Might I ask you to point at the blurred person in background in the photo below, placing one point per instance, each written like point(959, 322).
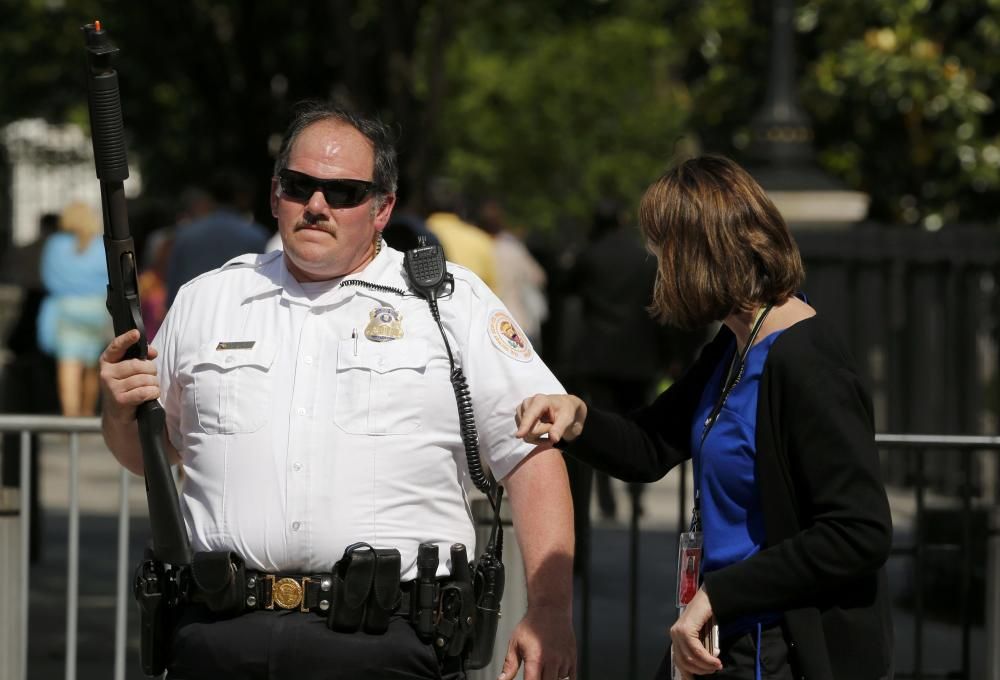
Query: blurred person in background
point(153, 287)
point(406, 227)
point(213, 239)
point(29, 377)
point(774, 415)
point(22, 267)
point(463, 243)
point(520, 279)
point(195, 203)
point(74, 323)
point(618, 352)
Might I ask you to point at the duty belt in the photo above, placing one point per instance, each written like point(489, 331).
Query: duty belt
point(265, 591)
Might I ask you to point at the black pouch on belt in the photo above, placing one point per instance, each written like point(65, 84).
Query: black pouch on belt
point(385, 595)
point(219, 581)
point(352, 582)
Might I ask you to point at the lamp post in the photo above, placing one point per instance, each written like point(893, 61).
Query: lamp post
point(782, 157)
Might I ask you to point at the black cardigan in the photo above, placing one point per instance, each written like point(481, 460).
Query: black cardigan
point(826, 515)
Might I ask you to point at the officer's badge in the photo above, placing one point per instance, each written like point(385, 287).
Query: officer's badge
point(385, 324)
point(508, 337)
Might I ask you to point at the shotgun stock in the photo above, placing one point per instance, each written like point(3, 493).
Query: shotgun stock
point(170, 539)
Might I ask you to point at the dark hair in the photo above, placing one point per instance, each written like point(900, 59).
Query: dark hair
point(385, 173)
point(721, 244)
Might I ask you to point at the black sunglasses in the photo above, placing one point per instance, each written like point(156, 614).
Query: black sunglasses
point(339, 193)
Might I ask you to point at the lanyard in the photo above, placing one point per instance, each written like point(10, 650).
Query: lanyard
point(733, 375)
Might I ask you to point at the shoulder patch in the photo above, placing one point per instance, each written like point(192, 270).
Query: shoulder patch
point(507, 336)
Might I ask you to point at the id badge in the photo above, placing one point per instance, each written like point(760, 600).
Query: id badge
point(689, 550)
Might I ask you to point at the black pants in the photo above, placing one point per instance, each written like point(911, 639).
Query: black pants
point(276, 645)
point(739, 658)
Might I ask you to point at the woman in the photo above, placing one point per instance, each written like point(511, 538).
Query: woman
point(795, 519)
point(73, 322)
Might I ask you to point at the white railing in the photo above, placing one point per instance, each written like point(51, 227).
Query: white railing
point(15, 535)
point(15, 555)
point(14, 632)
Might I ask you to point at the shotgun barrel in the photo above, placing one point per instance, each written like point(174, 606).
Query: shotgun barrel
point(170, 540)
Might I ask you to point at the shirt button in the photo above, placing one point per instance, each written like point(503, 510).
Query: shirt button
point(295, 526)
point(301, 411)
point(380, 362)
point(308, 360)
point(296, 466)
point(230, 360)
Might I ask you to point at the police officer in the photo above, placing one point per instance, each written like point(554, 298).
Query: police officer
point(308, 398)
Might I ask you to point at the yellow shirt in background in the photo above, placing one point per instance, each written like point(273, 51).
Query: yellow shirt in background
point(465, 244)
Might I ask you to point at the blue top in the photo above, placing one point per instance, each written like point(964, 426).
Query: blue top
point(69, 273)
point(65, 270)
point(725, 474)
point(209, 242)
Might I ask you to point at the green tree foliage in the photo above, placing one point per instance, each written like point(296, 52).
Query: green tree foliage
point(553, 112)
point(901, 94)
point(209, 83)
point(910, 83)
point(548, 104)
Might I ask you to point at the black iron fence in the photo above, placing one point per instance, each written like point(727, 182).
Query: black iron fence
point(944, 571)
point(921, 311)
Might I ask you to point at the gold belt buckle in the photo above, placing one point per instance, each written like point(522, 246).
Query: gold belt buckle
point(287, 593)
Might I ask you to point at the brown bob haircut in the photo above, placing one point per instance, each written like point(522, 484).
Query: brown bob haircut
point(720, 243)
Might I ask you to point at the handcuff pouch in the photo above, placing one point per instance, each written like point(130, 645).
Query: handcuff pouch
point(219, 581)
point(351, 584)
point(385, 596)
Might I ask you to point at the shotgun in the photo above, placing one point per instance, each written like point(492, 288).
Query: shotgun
point(170, 539)
point(157, 586)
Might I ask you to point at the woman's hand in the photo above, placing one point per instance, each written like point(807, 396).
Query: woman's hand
point(560, 416)
point(689, 652)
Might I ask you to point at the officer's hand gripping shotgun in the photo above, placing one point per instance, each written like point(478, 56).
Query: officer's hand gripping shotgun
point(155, 587)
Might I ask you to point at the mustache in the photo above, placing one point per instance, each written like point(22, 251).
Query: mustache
point(309, 222)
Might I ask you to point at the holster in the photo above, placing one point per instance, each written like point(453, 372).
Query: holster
point(489, 580)
point(150, 590)
point(365, 589)
point(219, 581)
point(158, 589)
point(457, 609)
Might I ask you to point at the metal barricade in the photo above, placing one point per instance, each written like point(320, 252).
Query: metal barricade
point(919, 550)
point(924, 454)
point(15, 586)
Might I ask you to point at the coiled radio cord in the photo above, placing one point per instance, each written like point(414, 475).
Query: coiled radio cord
point(483, 479)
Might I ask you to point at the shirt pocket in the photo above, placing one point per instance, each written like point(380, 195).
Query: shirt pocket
point(233, 388)
point(380, 386)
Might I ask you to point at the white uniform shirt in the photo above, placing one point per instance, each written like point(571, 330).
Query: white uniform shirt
point(301, 434)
